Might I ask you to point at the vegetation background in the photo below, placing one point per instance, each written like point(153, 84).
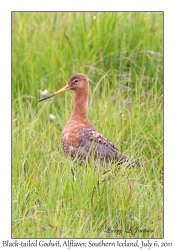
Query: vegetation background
point(122, 53)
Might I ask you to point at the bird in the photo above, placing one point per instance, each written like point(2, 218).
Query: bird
point(79, 138)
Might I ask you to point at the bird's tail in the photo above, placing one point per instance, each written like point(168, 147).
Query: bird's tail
point(123, 159)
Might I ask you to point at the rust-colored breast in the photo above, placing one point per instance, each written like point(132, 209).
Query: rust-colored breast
point(71, 139)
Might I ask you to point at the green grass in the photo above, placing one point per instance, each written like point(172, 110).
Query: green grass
point(126, 105)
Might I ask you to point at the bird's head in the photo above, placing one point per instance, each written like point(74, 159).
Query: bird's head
point(77, 82)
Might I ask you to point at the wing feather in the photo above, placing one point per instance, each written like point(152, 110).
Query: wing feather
point(103, 148)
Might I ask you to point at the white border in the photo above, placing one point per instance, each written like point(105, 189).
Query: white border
point(5, 101)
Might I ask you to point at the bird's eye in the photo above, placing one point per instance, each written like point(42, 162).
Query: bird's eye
point(76, 80)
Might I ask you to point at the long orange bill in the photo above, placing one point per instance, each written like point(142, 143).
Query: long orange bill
point(55, 93)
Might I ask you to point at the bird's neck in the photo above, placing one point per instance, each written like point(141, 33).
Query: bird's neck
point(79, 112)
